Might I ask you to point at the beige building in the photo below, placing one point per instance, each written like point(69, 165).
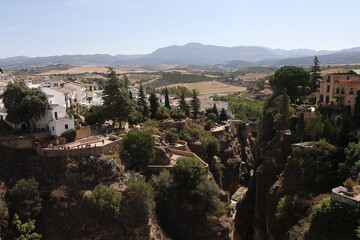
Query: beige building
point(342, 87)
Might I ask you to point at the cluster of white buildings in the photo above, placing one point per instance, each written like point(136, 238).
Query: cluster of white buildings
point(61, 96)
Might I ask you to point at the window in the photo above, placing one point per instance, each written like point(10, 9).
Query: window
point(347, 78)
point(343, 91)
point(337, 90)
point(327, 99)
point(53, 129)
point(328, 80)
point(351, 92)
point(328, 88)
point(321, 98)
point(66, 126)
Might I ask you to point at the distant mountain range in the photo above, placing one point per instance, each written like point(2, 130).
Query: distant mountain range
point(196, 54)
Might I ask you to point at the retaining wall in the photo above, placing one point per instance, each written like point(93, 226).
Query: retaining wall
point(344, 199)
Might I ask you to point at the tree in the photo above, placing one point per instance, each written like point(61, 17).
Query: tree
point(215, 110)
point(223, 116)
point(183, 104)
point(142, 103)
point(125, 80)
point(300, 131)
point(170, 137)
point(95, 115)
point(70, 135)
point(117, 103)
point(294, 79)
point(188, 172)
point(26, 229)
point(162, 113)
point(209, 124)
point(212, 146)
point(281, 115)
point(167, 100)
point(25, 198)
point(315, 74)
point(24, 104)
point(314, 127)
point(351, 166)
point(357, 107)
point(154, 105)
point(140, 201)
point(212, 117)
point(195, 104)
point(140, 146)
point(104, 202)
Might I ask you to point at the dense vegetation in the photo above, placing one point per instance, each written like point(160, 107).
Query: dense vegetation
point(177, 78)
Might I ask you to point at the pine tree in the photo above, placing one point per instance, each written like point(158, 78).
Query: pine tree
point(183, 104)
point(154, 105)
point(282, 112)
point(142, 103)
point(301, 127)
point(223, 116)
point(130, 95)
point(116, 99)
point(125, 80)
point(315, 74)
point(167, 100)
point(195, 104)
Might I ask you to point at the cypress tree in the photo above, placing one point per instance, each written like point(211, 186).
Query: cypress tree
point(142, 103)
point(301, 127)
point(315, 74)
point(215, 110)
point(154, 105)
point(183, 104)
point(195, 104)
point(167, 100)
point(223, 116)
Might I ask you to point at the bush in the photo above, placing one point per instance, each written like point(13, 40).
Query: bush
point(334, 220)
point(70, 135)
point(140, 200)
point(170, 137)
point(212, 116)
point(188, 172)
point(140, 146)
point(209, 125)
point(212, 146)
point(104, 202)
point(25, 198)
point(162, 113)
point(349, 184)
point(26, 229)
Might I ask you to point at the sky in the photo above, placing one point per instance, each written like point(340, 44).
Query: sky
point(59, 27)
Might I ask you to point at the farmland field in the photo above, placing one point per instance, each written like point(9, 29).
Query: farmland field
point(212, 87)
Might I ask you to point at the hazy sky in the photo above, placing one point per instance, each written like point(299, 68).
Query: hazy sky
point(58, 27)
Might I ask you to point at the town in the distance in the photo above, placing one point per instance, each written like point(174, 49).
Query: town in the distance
point(180, 152)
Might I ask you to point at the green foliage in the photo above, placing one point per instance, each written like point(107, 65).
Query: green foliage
point(351, 167)
point(243, 108)
point(183, 105)
point(315, 166)
point(293, 121)
point(281, 113)
point(170, 136)
point(162, 113)
point(154, 105)
point(293, 79)
point(25, 198)
point(169, 78)
point(95, 115)
point(26, 230)
point(195, 104)
point(117, 104)
point(167, 100)
point(212, 117)
point(314, 126)
point(212, 146)
point(315, 74)
point(289, 208)
point(193, 132)
point(223, 116)
point(140, 201)
point(300, 131)
point(70, 135)
point(177, 113)
point(104, 202)
point(142, 103)
point(209, 124)
point(140, 146)
point(357, 108)
point(24, 104)
point(187, 172)
point(177, 90)
point(334, 220)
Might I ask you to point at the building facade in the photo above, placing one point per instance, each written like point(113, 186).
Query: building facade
point(339, 89)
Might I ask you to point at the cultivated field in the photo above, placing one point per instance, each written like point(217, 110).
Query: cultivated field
point(250, 77)
point(212, 87)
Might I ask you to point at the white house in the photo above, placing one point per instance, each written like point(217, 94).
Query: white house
point(55, 97)
point(80, 91)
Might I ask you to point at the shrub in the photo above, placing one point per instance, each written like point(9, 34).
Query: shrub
point(140, 200)
point(26, 229)
point(104, 202)
point(349, 184)
point(334, 220)
point(209, 124)
point(70, 135)
point(162, 113)
point(26, 199)
point(212, 116)
point(170, 137)
point(140, 146)
point(212, 146)
point(187, 172)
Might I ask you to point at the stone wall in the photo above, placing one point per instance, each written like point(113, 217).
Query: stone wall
point(344, 199)
point(115, 146)
point(190, 154)
point(83, 132)
point(17, 143)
